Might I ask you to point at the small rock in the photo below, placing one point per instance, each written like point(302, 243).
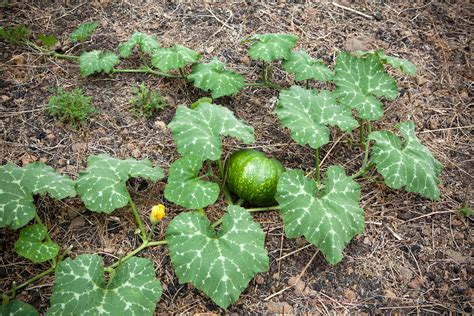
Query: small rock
point(245, 60)
point(18, 59)
point(27, 159)
point(43, 159)
point(349, 294)
point(457, 222)
point(366, 241)
point(136, 153)
point(160, 125)
point(300, 242)
point(405, 274)
point(279, 308)
point(76, 223)
point(456, 256)
point(464, 94)
point(298, 284)
point(259, 279)
point(309, 292)
point(415, 284)
point(209, 49)
point(390, 294)
point(79, 147)
point(358, 43)
point(443, 290)
point(5, 98)
point(421, 80)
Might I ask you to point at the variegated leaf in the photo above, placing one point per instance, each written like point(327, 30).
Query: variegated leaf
point(307, 113)
point(305, 67)
point(212, 76)
point(328, 218)
point(184, 186)
point(32, 246)
point(219, 264)
point(146, 44)
point(97, 61)
point(406, 163)
point(167, 59)
point(80, 289)
point(102, 186)
point(18, 185)
point(359, 83)
point(270, 47)
point(198, 131)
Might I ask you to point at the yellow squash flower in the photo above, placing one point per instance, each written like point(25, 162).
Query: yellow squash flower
point(157, 213)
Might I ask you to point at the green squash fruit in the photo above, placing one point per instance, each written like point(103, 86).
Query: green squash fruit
point(253, 177)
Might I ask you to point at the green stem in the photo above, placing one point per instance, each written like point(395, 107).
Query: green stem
point(264, 74)
point(227, 196)
point(361, 132)
point(138, 219)
point(33, 279)
point(181, 72)
point(316, 174)
point(145, 70)
point(58, 55)
point(221, 169)
point(38, 221)
point(240, 202)
point(365, 163)
point(258, 209)
point(145, 244)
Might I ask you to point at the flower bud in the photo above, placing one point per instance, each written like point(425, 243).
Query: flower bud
point(157, 213)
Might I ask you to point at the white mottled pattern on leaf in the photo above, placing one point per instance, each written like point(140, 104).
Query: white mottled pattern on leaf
point(79, 288)
point(167, 59)
point(408, 164)
point(18, 185)
point(32, 246)
point(329, 218)
point(102, 186)
point(401, 64)
point(212, 76)
point(17, 308)
point(97, 61)
point(304, 67)
point(198, 132)
point(360, 81)
point(270, 47)
point(146, 43)
point(184, 186)
point(221, 265)
point(306, 113)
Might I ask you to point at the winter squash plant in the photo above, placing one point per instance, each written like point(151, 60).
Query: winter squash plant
point(324, 210)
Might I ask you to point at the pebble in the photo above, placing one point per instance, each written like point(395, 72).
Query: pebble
point(298, 284)
point(279, 308)
point(390, 294)
point(415, 284)
point(259, 279)
point(349, 294)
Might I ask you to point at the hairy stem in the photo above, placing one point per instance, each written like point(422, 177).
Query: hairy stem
point(264, 74)
point(138, 219)
point(145, 70)
point(221, 169)
point(145, 244)
point(361, 132)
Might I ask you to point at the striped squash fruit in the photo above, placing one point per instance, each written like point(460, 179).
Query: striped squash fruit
point(253, 177)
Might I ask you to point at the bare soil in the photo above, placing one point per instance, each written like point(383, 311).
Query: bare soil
point(415, 256)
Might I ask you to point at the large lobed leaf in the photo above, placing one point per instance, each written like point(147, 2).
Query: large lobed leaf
point(97, 61)
point(146, 44)
point(306, 113)
point(407, 163)
point(405, 66)
point(270, 47)
point(360, 81)
point(32, 246)
point(17, 308)
point(79, 288)
point(329, 218)
point(219, 264)
point(212, 76)
point(18, 185)
point(102, 186)
point(305, 67)
point(167, 59)
point(198, 131)
point(184, 186)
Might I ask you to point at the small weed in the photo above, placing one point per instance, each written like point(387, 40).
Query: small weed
point(70, 107)
point(147, 101)
point(14, 34)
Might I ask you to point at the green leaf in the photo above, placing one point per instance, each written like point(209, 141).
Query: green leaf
point(270, 47)
point(83, 31)
point(146, 44)
point(304, 67)
point(401, 64)
point(48, 40)
point(97, 61)
point(407, 163)
point(103, 185)
point(199, 101)
point(31, 246)
point(212, 76)
point(18, 185)
point(219, 264)
point(167, 59)
point(15, 34)
point(359, 81)
point(184, 186)
point(17, 308)
point(80, 289)
point(198, 132)
point(306, 113)
point(328, 218)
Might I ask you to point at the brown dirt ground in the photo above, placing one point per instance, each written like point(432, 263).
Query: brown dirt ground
point(414, 256)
